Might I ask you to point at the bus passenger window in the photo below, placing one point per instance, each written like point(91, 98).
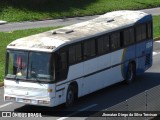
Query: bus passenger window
point(143, 31)
point(128, 36)
point(131, 37)
point(100, 45)
point(115, 41)
point(138, 33)
point(103, 44)
point(63, 60)
point(72, 54)
point(75, 54)
point(61, 66)
point(78, 52)
point(149, 29)
point(89, 49)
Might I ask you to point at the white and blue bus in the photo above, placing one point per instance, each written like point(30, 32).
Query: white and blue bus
point(57, 66)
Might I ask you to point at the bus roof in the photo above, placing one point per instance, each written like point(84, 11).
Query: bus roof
point(52, 40)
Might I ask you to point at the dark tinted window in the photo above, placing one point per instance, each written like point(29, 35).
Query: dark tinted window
point(138, 33)
point(115, 41)
point(72, 54)
point(132, 38)
point(63, 61)
point(78, 52)
point(141, 33)
point(149, 30)
point(61, 65)
point(75, 53)
point(128, 36)
point(89, 49)
point(103, 44)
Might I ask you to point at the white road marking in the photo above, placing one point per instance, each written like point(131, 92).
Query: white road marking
point(155, 53)
point(5, 104)
point(157, 41)
point(62, 118)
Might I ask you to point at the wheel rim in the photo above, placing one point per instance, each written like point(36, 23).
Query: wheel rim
point(70, 97)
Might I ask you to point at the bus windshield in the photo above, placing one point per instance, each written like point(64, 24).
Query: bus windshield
point(29, 65)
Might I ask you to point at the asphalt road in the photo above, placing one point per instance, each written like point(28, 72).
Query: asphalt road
point(58, 22)
point(96, 101)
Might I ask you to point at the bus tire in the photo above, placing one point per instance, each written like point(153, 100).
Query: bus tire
point(130, 76)
point(70, 98)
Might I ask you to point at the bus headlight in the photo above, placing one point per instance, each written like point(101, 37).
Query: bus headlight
point(10, 98)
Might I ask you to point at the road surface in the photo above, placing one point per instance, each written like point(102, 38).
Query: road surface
point(58, 22)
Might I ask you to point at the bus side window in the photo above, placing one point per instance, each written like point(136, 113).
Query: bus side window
point(128, 36)
point(75, 54)
point(144, 35)
point(89, 49)
point(131, 37)
point(72, 54)
point(103, 44)
point(115, 41)
point(78, 52)
point(138, 33)
point(62, 66)
point(63, 60)
point(141, 33)
point(149, 30)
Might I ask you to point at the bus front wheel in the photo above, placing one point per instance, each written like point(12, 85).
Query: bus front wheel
point(130, 73)
point(70, 96)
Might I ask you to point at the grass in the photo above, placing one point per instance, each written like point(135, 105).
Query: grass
point(156, 26)
point(6, 38)
point(51, 9)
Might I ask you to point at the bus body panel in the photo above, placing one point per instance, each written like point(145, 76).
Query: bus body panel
point(95, 78)
point(99, 80)
point(75, 71)
point(116, 57)
point(22, 91)
point(61, 91)
point(105, 61)
point(129, 54)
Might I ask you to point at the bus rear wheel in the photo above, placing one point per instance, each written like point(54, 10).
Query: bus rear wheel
point(130, 76)
point(70, 98)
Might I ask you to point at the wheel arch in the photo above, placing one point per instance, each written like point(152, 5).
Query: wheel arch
point(134, 64)
point(75, 86)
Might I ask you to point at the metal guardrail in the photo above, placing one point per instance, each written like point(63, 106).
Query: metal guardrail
point(148, 101)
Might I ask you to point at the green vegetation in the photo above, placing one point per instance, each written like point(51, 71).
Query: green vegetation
point(156, 26)
point(8, 37)
point(22, 10)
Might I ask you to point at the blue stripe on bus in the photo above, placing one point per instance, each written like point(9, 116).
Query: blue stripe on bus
point(144, 19)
